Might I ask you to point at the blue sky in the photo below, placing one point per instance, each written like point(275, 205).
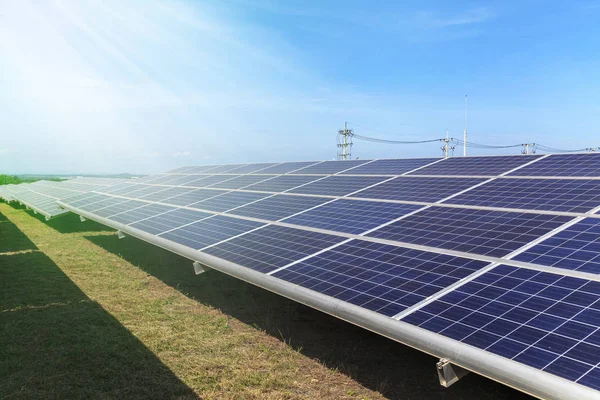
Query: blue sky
point(145, 86)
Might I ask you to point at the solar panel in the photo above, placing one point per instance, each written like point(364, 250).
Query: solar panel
point(418, 189)
point(272, 247)
point(210, 231)
point(486, 232)
point(576, 248)
point(277, 207)
point(587, 164)
point(282, 183)
point(347, 238)
point(170, 220)
point(351, 216)
point(476, 166)
point(242, 181)
point(547, 321)
point(210, 180)
point(137, 214)
point(338, 185)
point(570, 195)
point(285, 168)
point(329, 167)
point(382, 278)
point(228, 201)
point(390, 167)
point(250, 168)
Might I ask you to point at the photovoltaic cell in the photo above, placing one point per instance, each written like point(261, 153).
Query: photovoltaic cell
point(339, 185)
point(282, 183)
point(418, 189)
point(180, 170)
point(210, 180)
point(330, 167)
point(166, 193)
point(242, 181)
point(193, 197)
point(140, 213)
point(381, 278)
point(272, 247)
point(185, 179)
point(575, 248)
point(390, 167)
point(220, 169)
point(574, 195)
point(210, 231)
point(285, 168)
point(118, 207)
point(547, 321)
point(247, 169)
point(351, 216)
point(203, 169)
point(170, 220)
point(228, 201)
point(587, 164)
point(490, 233)
point(278, 207)
point(476, 166)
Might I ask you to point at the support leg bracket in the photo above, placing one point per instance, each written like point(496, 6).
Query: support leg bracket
point(82, 218)
point(200, 268)
point(120, 235)
point(449, 373)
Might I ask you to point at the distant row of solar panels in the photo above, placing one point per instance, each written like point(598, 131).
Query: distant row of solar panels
point(491, 262)
point(41, 196)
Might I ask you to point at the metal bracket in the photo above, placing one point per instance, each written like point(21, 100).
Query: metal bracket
point(47, 218)
point(449, 373)
point(200, 268)
point(82, 218)
point(120, 235)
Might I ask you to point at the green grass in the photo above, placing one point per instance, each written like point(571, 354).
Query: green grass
point(86, 315)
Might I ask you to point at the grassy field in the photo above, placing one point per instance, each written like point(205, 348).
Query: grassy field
point(86, 315)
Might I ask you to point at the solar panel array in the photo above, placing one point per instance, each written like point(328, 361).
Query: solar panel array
point(41, 196)
point(500, 254)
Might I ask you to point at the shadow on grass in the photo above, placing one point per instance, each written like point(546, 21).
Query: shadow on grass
point(393, 369)
point(57, 343)
point(12, 239)
point(70, 223)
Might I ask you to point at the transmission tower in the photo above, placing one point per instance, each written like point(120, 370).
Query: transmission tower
point(345, 143)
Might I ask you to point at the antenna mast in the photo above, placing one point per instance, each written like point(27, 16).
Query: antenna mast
point(465, 133)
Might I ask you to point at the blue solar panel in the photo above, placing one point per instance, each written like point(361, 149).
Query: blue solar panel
point(491, 233)
point(203, 169)
point(279, 206)
point(106, 202)
point(330, 167)
point(390, 167)
point(418, 189)
point(194, 197)
point(184, 179)
point(220, 169)
point(140, 213)
point(285, 168)
point(574, 195)
point(564, 165)
point(118, 208)
point(160, 179)
point(210, 231)
point(382, 278)
point(163, 194)
point(180, 170)
point(339, 185)
point(351, 216)
point(242, 181)
point(210, 180)
point(272, 247)
point(228, 201)
point(475, 166)
point(543, 320)
point(170, 220)
point(251, 168)
point(282, 183)
point(575, 248)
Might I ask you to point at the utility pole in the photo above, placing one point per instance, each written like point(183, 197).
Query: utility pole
point(346, 143)
point(465, 134)
point(445, 147)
